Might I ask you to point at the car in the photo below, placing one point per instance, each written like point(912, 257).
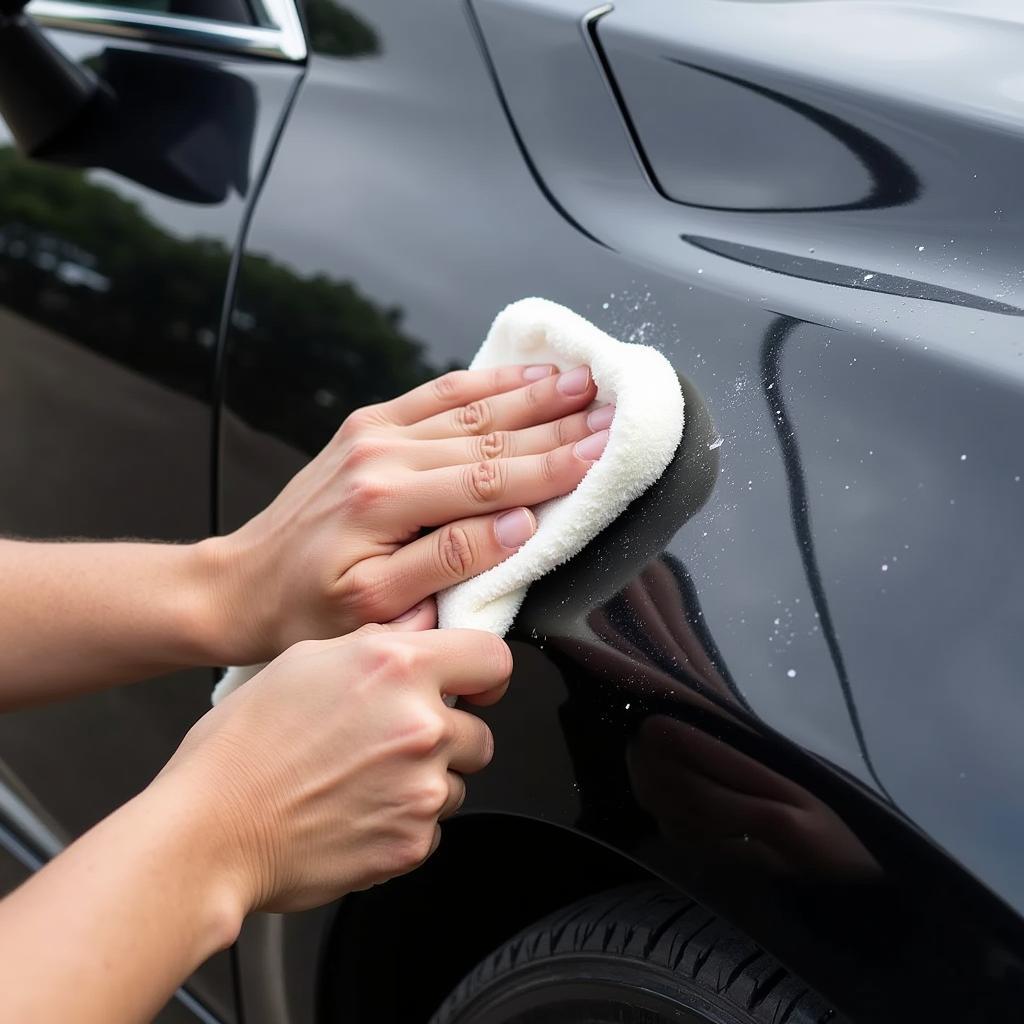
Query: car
point(761, 758)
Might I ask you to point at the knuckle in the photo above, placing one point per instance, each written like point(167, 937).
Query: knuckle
point(563, 432)
point(485, 481)
point(356, 422)
point(494, 445)
point(429, 797)
point(549, 468)
point(535, 394)
point(448, 386)
point(365, 493)
point(474, 418)
point(360, 451)
point(364, 590)
point(456, 554)
point(412, 850)
point(424, 733)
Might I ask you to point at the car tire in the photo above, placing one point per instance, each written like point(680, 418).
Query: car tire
point(641, 954)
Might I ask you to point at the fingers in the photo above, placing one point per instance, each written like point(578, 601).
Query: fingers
point(506, 444)
point(456, 795)
point(472, 745)
point(444, 495)
point(548, 399)
point(473, 663)
point(460, 387)
point(449, 555)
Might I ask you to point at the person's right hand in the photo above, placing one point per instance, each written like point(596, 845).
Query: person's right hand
point(330, 769)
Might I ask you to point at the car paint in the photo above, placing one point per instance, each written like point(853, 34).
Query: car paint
point(817, 733)
point(850, 579)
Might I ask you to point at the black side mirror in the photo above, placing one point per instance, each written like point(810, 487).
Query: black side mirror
point(41, 90)
point(176, 124)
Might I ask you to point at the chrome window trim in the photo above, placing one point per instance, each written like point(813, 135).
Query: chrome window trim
point(281, 38)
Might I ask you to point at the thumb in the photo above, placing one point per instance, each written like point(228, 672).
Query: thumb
point(419, 617)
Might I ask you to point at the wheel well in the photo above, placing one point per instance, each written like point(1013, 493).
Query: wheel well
point(395, 951)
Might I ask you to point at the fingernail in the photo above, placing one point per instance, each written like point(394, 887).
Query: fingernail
point(513, 529)
point(590, 448)
point(601, 417)
point(574, 382)
point(537, 372)
point(411, 613)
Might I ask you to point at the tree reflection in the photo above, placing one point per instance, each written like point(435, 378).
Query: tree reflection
point(89, 264)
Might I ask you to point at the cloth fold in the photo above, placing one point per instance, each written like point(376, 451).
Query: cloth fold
point(643, 437)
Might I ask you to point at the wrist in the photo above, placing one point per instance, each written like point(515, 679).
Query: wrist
point(222, 621)
point(205, 854)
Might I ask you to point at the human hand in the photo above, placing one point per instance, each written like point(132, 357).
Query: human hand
point(341, 545)
point(329, 771)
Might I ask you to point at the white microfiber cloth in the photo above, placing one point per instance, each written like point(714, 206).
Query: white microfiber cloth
point(643, 437)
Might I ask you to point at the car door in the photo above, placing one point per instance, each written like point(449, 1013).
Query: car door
point(845, 571)
point(115, 260)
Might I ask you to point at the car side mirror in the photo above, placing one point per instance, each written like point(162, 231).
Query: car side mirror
point(175, 124)
point(41, 89)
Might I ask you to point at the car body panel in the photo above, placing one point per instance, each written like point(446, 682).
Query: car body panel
point(848, 624)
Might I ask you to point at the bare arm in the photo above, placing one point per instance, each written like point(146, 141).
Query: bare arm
point(463, 456)
point(326, 773)
point(81, 616)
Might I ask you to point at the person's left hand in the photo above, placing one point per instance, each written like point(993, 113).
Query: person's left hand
point(341, 546)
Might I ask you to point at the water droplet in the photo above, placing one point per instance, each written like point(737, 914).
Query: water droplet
point(700, 270)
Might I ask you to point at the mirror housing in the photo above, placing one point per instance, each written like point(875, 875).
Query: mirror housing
point(41, 90)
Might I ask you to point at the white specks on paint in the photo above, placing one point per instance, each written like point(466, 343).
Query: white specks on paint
point(791, 673)
point(715, 444)
point(604, 305)
point(963, 458)
point(627, 707)
point(867, 277)
point(700, 270)
point(885, 567)
point(920, 248)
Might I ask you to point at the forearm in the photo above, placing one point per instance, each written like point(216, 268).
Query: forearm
point(108, 930)
point(81, 616)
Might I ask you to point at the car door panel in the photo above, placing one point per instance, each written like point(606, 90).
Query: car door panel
point(476, 155)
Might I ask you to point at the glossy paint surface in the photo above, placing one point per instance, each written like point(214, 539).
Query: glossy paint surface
point(789, 680)
point(112, 284)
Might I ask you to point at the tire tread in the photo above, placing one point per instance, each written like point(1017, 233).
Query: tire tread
point(650, 923)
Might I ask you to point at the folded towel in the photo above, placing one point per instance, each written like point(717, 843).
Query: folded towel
point(643, 437)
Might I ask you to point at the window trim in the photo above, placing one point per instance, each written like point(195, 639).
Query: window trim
point(281, 38)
